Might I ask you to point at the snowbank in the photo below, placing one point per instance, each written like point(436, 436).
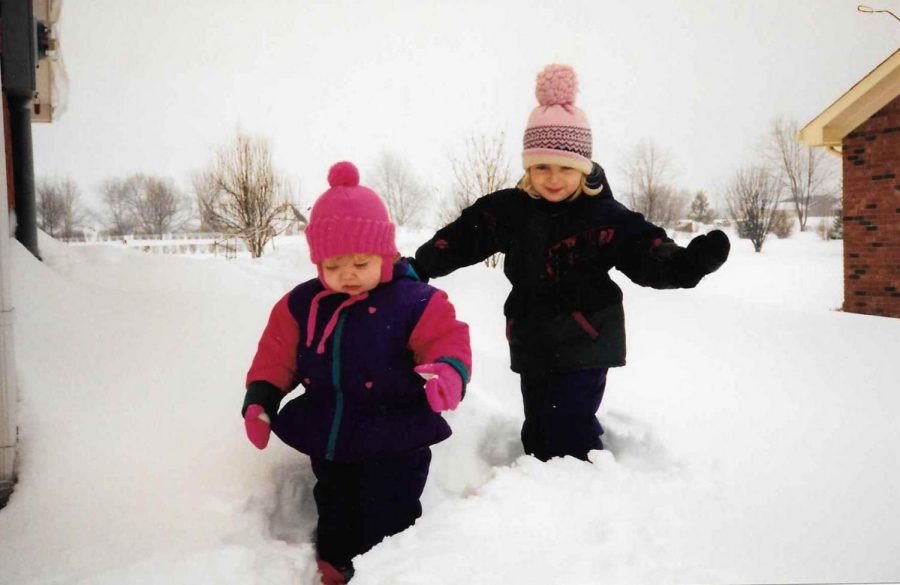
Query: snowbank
point(752, 437)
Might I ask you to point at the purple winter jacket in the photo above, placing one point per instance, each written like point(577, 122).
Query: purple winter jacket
point(354, 357)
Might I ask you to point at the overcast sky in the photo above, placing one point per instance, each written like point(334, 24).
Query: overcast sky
point(157, 85)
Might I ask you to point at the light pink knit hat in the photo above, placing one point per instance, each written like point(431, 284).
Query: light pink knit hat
point(557, 133)
point(350, 219)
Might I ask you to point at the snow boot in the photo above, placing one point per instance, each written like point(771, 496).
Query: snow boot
point(332, 575)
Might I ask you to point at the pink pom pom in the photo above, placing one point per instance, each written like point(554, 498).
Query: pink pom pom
point(343, 174)
point(556, 85)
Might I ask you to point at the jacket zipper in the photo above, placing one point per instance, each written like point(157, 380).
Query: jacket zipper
point(339, 393)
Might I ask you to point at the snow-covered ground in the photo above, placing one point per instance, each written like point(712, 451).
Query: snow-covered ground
point(753, 437)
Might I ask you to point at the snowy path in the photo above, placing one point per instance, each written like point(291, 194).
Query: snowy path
point(752, 437)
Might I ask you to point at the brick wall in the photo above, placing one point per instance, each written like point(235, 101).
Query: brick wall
point(871, 160)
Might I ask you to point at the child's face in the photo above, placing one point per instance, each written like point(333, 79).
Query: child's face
point(353, 274)
point(554, 183)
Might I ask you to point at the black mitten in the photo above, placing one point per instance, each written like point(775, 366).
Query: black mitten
point(596, 177)
point(709, 251)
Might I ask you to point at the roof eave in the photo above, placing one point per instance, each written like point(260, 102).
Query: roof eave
point(857, 105)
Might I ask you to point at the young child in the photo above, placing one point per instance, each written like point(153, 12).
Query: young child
point(359, 339)
point(562, 231)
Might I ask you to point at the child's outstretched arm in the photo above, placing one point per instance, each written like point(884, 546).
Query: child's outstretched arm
point(652, 259)
point(474, 236)
point(271, 373)
point(440, 346)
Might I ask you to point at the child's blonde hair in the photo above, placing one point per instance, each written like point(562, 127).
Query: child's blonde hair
point(525, 185)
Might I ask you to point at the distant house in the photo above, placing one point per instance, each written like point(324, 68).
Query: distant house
point(863, 128)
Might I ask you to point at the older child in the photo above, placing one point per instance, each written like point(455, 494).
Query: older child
point(359, 339)
point(562, 232)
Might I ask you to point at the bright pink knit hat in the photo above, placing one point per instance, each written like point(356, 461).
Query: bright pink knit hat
point(557, 133)
point(350, 219)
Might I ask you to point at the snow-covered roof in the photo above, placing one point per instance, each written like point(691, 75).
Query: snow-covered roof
point(858, 104)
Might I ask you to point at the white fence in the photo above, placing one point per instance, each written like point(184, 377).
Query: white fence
point(181, 243)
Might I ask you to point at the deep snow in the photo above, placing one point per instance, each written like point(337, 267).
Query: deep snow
point(753, 436)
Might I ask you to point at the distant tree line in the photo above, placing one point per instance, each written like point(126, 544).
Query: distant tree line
point(241, 195)
point(788, 181)
point(135, 203)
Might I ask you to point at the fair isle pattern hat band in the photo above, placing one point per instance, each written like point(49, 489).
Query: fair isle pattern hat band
point(565, 138)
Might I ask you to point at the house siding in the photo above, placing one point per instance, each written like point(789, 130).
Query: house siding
point(871, 208)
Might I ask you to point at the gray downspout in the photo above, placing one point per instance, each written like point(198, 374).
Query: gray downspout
point(18, 35)
point(23, 172)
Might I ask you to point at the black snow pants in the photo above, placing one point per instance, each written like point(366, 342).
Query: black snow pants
point(361, 503)
point(561, 412)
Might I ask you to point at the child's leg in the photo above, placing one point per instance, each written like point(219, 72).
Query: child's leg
point(391, 490)
point(361, 503)
point(560, 413)
point(339, 529)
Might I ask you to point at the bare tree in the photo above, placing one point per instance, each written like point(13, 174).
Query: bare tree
point(73, 213)
point(144, 203)
point(401, 191)
point(651, 191)
point(49, 206)
point(483, 169)
point(119, 196)
point(804, 171)
point(58, 207)
point(157, 206)
point(242, 195)
point(753, 197)
point(205, 189)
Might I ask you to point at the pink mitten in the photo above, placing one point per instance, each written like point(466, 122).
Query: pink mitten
point(443, 385)
point(256, 421)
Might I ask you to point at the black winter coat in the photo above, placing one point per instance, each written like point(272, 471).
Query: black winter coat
point(564, 313)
